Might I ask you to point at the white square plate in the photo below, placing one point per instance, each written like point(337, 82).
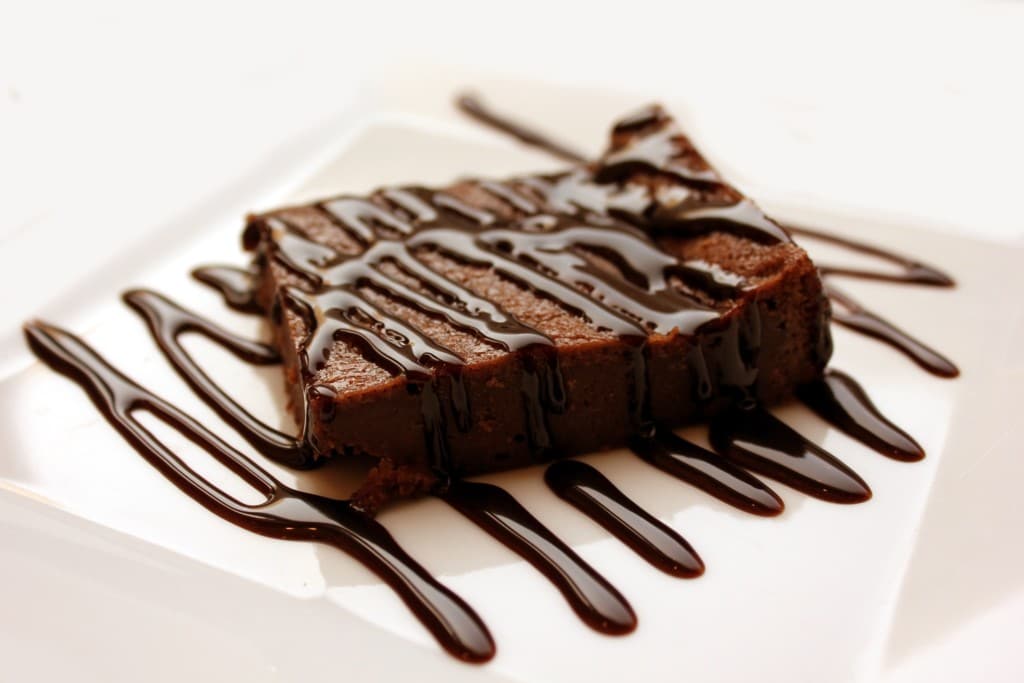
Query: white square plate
point(110, 573)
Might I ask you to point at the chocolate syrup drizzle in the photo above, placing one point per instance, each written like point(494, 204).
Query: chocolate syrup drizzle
point(758, 441)
point(843, 403)
point(564, 220)
point(589, 594)
point(709, 472)
point(853, 315)
point(591, 493)
point(856, 318)
point(167, 321)
point(660, 447)
point(234, 284)
point(911, 270)
point(570, 238)
point(285, 513)
point(472, 106)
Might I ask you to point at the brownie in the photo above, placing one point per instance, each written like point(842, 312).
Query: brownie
point(489, 325)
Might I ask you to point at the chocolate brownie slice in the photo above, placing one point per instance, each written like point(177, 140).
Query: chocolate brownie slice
point(489, 325)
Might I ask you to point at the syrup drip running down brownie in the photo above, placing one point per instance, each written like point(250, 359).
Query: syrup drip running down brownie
point(490, 325)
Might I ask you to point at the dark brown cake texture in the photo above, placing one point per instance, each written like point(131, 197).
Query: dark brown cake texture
point(490, 325)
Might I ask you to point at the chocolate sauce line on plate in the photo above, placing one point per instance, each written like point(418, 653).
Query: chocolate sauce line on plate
point(494, 510)
point(756, 440)
point(842, 402)
point(291, 514)
point(708, 472)
point(473, 107)
point(912, 271)
point(591, 493)
point(234, 284)
point(167, 321)
point(590, 595)
point(285, 513)
point(858, 318)
point(597, 602)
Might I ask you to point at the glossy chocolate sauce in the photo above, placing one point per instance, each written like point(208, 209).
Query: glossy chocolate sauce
point(709, 472)
point(234, 284)
point(285, 513)
point(472, 106)
point(911, 271)
point(575, 238)
point(853, 315)
point(565, 237)
point(591, 493)
point(842, 402)
point(590, 595)
point(167, 321)
point(562, 222)
point(596, 601)
point(758, 441)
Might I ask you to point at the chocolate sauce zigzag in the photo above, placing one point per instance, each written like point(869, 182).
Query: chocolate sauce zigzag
point(837, 398)
point(591, 493)
point(234, 284)
point(756, 440)
point(589, 594)
point(708, 472)
point(597, 602)
point(843, 403)
point(911, 271)
point(856, 317)
point(167, 321)
point(284, 514)
point(474, 107)
point(565, 220)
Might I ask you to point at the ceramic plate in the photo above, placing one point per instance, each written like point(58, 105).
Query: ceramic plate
point(110, 573)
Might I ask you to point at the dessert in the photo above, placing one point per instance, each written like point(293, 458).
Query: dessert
point(491, 325)
point(603, 304)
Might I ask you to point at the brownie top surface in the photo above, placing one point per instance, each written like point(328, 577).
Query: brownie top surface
point(646, 242)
